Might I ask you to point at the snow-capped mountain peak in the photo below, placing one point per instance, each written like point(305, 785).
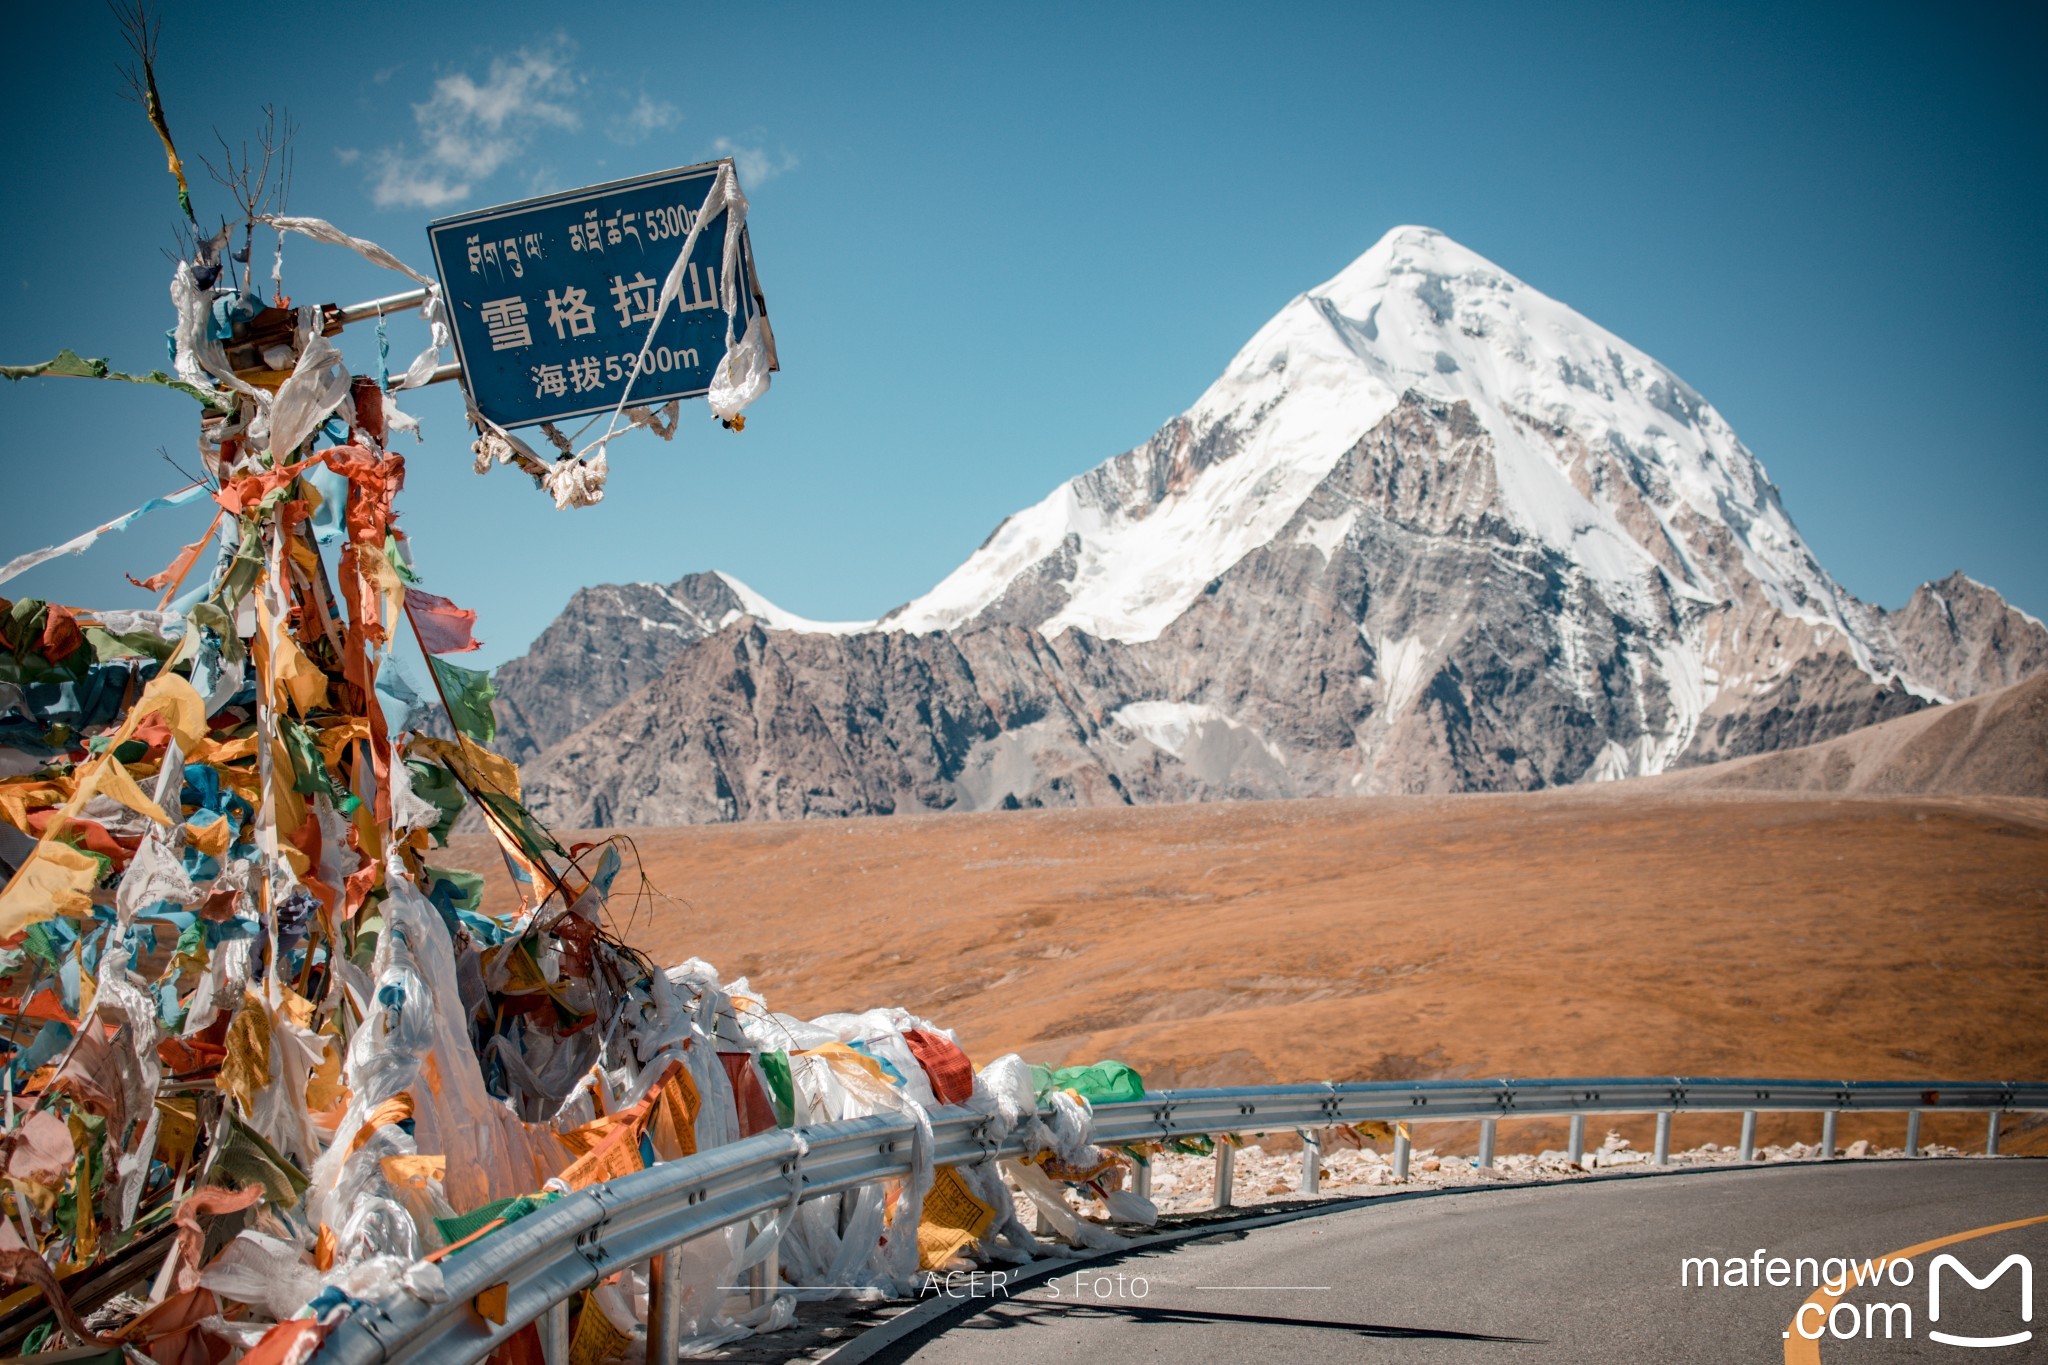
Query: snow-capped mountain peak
point(1124, 551)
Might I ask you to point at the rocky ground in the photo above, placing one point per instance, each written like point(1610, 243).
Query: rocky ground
point(1187, 1184)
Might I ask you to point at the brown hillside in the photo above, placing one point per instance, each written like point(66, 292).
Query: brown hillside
point(1992, 745)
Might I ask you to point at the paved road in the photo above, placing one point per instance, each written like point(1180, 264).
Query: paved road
point(1581, 1273)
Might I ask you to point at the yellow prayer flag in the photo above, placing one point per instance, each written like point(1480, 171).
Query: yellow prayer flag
point(672, 1126)
point(473, 763)
point(394, 1110)
point(177, 1129)
point(953, 1217)
point(182, 708)
point(55, 879)
point(246, 1068)
point(213, 839)
point(839, 1056)
point(598, 1339)
point(408, 1170)
point(379, 571)
point(117, 784)
point(617, 1155)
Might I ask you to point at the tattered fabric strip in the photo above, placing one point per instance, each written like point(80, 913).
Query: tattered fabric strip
point(21, 564)
point(723, 197)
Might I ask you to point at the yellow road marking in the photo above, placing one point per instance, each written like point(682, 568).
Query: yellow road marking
point(1800, 1351)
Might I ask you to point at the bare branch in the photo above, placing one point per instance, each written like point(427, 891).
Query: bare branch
point(278, 134)
point(258, 184)
point(180, 249)
point(189, 475)
point(139, 29)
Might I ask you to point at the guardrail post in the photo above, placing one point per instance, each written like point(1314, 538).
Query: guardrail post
point(554, 1334)
point(764, 1279)
point(1141, 1177)
point(1991, 1136)
point(1225, 1161)
point(1401, 1146)
point(1747, 1150)
point(1827, 1136)
point(1912, 1132)
point(1311, 1161)
point(1486, 1133)
point(1663, 1137)
point(664, 1305)
point(1575, 1145)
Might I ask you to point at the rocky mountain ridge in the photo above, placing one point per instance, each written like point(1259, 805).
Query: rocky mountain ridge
point(1430, 531)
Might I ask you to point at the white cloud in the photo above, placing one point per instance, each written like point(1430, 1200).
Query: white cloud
point(470, 128)
point(399, 183)
point(756, 164)
point(647, 117)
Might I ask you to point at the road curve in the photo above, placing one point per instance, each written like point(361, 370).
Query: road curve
point(1586, 1272)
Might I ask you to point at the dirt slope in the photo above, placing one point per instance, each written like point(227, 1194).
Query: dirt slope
point(1996, 744)
point(1624, 929)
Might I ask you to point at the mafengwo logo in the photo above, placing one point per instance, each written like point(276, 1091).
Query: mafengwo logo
point(2013, 1262)
point(1853, 1319)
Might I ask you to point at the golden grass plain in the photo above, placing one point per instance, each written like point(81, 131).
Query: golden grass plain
point(1623, 930)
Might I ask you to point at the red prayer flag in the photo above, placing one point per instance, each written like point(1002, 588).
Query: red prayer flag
point(947, 1067)
point(757, 1111)
point(61, 635)
point(443, 627)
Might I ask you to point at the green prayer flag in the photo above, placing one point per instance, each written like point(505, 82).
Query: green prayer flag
point(437, 786)
point(245, 1157)
point(394, 553)
point(48, 941)
point(136, 644)
point(68, 364)
point(535, 842)
point(780, 1086)
point(458, 889)
point(309, 768)
point(1104, 1082)
point(211, 616)
point(468, 692)
point(511, 1210)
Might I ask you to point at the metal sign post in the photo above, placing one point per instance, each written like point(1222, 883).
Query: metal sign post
point(550, 299)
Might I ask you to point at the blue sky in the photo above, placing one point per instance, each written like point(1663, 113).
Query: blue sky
point(1001, 245)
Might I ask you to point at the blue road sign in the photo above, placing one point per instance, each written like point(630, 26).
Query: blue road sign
point(550, 299)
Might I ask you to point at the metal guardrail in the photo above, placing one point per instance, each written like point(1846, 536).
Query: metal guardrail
point(579, 1240)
